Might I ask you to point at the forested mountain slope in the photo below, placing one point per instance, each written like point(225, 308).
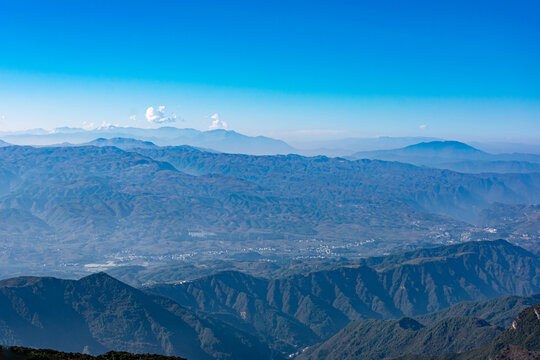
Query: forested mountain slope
point(98, 313)
point(301, 309)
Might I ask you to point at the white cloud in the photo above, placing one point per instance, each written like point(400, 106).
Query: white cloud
point(88, 126)
point(159, 116)
point(423, 126)
point(104, 125)
point(133, 117)
point(217, 123)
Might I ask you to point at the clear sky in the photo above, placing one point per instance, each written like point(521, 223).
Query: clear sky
point(467, 70)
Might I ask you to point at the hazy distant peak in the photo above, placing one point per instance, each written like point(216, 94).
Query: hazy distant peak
point(219, 139)
point(456, 156)
point(122, 143)
point(443, 146)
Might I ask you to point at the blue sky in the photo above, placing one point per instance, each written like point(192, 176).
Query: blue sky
point(296, 70)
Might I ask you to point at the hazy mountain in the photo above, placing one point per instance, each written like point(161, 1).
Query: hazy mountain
point(98, 313)
point(221, 140)
point(436, 191)
point(93, 205)
point(3, 143)
point(437, 149)
point(457, 156)
point(121, 143)
point(451, 150)
point(298, 310)
point(348, 146)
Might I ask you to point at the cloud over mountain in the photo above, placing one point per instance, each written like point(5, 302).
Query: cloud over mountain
point(159, 116)
point(217, 123)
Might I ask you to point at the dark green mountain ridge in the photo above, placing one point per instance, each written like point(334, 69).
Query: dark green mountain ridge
point(521, 341)
point(98, 313)
point(302, 309)
point(387, 339)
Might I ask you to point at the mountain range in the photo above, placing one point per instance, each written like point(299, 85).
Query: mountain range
point(69, 209)
point(436, 191)
point(300, 310)
point(234, 142)
point(220, 140)
point(398, 304)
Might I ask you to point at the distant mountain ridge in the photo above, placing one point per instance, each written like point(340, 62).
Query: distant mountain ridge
point(220, 140)
point(121, 143)
point(450, 149)
point(457, 156)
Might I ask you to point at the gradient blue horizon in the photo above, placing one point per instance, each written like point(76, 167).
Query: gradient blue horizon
point(460, 69)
